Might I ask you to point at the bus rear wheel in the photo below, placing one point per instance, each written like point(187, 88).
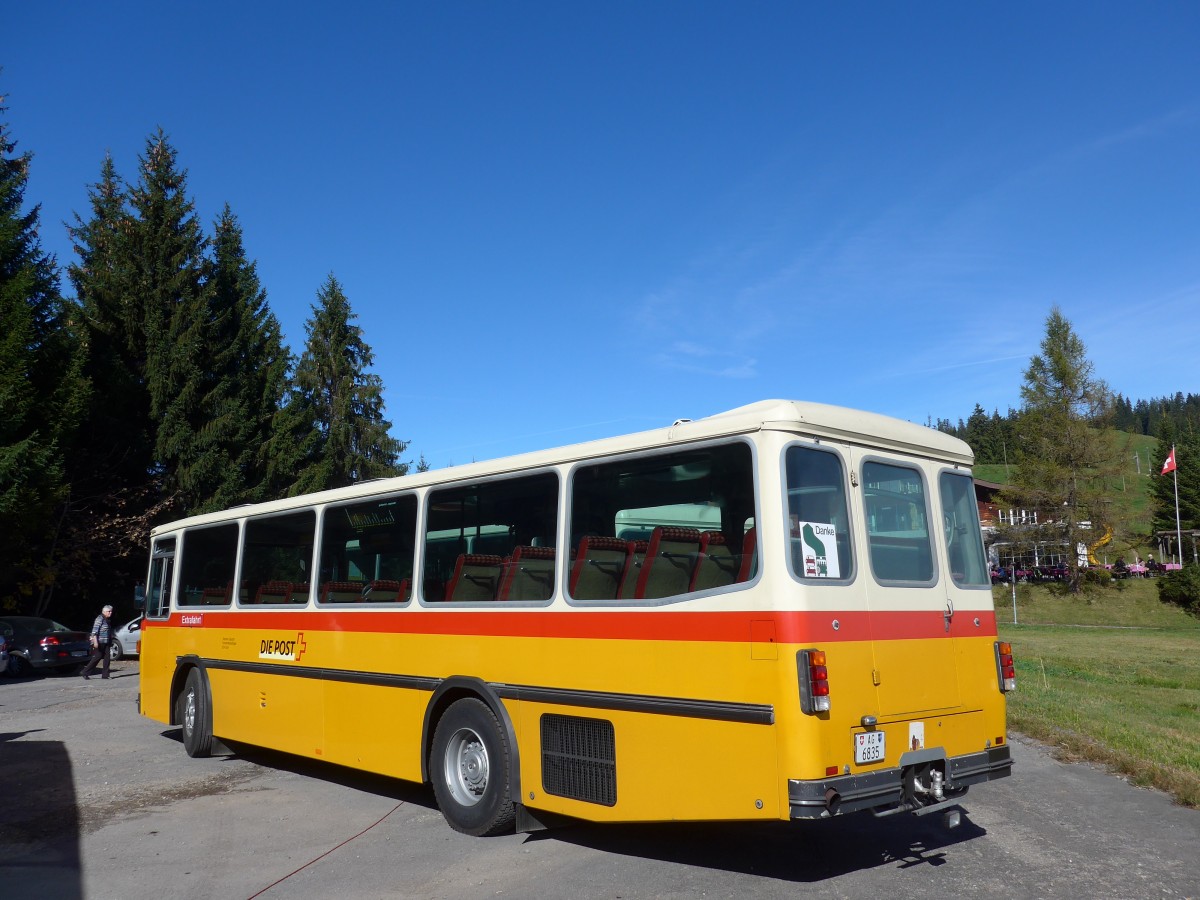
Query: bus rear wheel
point(195, 716)
point(469, 766)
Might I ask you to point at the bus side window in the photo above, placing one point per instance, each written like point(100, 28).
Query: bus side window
point(664, 525)
point(206, 568)
point(492, 541)
point(367, 551)
point(276, 558)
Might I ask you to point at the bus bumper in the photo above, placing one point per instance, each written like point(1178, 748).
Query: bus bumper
point(918, 784)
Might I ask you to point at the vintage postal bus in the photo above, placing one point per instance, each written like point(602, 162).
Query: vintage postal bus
point(780, 612)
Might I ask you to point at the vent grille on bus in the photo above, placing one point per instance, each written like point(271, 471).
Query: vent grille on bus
point(579, 759)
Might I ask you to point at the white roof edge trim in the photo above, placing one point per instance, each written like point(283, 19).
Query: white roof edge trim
point(818, 419)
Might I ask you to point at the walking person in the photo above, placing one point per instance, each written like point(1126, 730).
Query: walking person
point(101, 638)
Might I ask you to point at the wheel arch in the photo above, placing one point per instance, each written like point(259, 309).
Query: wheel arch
point(183, 667)
point(457, 687)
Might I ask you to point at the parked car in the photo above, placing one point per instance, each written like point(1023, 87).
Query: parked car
point(37, 643)
point(124, 640)
point(3, 654)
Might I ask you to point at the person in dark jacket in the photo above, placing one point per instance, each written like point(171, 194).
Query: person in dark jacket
point(101, 638)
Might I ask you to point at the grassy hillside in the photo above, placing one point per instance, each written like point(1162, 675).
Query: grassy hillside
point(1130, 493)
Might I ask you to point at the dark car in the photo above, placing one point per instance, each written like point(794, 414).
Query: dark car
point(37, 643)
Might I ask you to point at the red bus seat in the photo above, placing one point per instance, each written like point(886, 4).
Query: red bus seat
point(476, 577)
point(215, 596)
point(749, 564)
point(717, 565)
point(670, 560)
point(637, 559)
point(342, 591)
point(274, 592)
point(528, 574)
point(382, 591)
point(600, 567)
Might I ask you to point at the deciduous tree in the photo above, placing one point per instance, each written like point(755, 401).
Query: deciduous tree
point(1068, 458)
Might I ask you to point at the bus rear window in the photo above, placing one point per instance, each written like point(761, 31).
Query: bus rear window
point(897, 524)
point(960, 523)
point(818, 521)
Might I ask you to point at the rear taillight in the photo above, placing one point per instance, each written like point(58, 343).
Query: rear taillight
point(814, 681)
point(1006, 673)
point(50, 643)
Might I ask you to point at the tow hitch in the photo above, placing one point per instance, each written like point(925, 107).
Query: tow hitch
point(925, 791)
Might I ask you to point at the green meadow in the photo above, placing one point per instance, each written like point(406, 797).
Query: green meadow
point(1111, 677)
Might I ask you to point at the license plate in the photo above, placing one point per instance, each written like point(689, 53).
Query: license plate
point(869, 747)
point(79, 653)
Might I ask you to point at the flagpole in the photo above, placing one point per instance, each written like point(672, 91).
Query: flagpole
point(1178, 530)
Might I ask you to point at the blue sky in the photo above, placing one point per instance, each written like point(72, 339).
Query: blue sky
point(563, 221)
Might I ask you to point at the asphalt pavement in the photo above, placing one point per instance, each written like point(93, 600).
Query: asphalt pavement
point(99, 802)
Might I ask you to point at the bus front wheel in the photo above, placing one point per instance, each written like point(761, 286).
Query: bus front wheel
point(469, 768)
point(195, 715)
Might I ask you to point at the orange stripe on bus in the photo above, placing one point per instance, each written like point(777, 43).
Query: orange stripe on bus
point(731, 627)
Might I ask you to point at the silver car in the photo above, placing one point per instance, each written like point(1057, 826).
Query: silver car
point(124, 640)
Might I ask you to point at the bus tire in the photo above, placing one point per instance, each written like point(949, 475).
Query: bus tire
point(468, 766)
point(195, 715)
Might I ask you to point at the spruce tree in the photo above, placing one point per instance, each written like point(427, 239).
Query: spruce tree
point(246, 378)
point(979, 436)
point(116, 452)
point(41, 394)
point(1067, 455)
point(167, 268)
point(117, 485)
point(333, 421)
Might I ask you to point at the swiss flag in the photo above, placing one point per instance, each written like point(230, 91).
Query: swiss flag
point(1169, 465)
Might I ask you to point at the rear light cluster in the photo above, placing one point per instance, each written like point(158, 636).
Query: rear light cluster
point(49, 642)
point(1006, 673)
point(814, 681)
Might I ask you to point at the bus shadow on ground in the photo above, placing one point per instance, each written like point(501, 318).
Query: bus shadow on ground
point(40, 825)
point(408, 792)
point(804, 851)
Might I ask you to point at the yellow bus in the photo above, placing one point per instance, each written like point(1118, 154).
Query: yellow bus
point(779, 612)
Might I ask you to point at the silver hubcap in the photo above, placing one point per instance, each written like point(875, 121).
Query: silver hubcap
point(466, 767)
point(189, 711)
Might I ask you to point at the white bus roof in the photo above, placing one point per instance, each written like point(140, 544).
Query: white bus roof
point(814, 419)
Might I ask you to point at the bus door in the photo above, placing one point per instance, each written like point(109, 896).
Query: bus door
point(909, 610)
point(158, 589)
